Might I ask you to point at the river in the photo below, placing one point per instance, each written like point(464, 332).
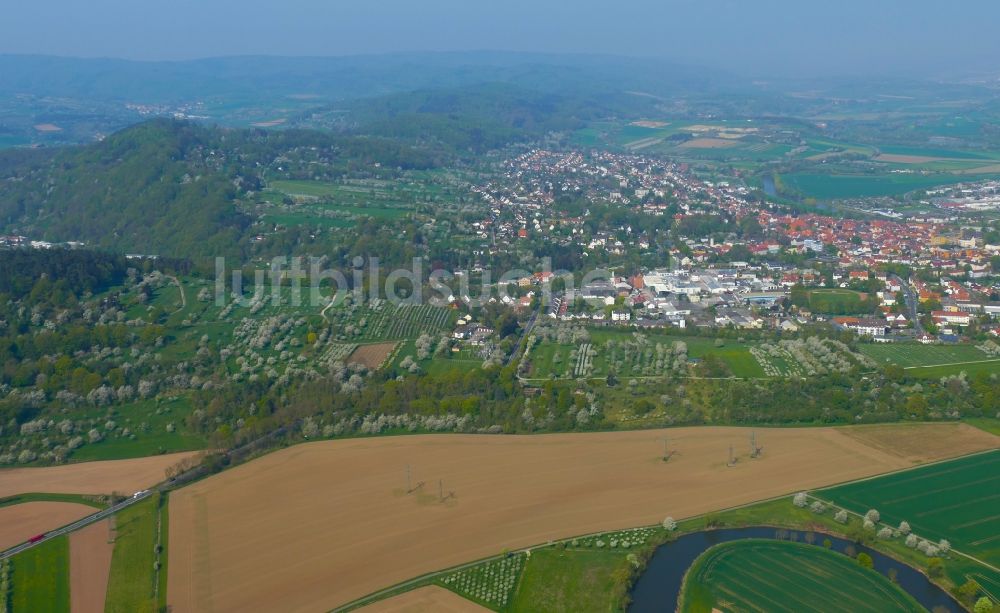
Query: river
point(658, 589)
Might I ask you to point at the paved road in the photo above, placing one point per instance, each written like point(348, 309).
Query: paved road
point(524, 337)
point(911, 304)
point(180, 480)
point(80, 523)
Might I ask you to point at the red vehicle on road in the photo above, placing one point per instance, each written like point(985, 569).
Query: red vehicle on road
point(36, 538)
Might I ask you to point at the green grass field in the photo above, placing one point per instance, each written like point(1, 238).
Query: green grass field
point(834, 187)
point(837, 301)
point(40, 578)
point(909, 355)
point(152, 439)
point(549, 358)
point(973, 369)
point(567, 580)
point(770, 575)
point(45, 497)
point(132, 585)
point(956, 500)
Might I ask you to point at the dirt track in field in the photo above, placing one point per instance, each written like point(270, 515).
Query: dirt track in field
point(317, 525)
point(20, 522)
point(125, 476)
point(89, 567)
point(430, 599)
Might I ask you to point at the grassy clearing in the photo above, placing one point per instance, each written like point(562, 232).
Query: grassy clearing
point(837, 301)
point(834, 187)
point(132, 585)
point(792, 577)
point(910, 355)
point(550, 358)
point(987, 424)
point(956, 500)
point(568, 580)
point(970, 369)
point(42, 497)
point(40, 578)
point(148, 421)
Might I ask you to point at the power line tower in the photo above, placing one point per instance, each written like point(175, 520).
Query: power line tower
point(667, 454)
point(410, 488)
point(755, 449)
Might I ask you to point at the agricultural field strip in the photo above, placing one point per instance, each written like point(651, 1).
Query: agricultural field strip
point(429, 577)
point(958, 534)
point(812, 585)
point(76, 525)
point(952, 364)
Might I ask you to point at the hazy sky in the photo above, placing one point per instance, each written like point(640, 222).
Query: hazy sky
point(761, 36)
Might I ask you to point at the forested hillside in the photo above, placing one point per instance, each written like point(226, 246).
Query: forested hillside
point(478, 118)
point(169, 188)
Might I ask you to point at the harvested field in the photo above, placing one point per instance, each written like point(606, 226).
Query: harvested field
point(905, 159)
point(371, 356)
point(47, 127)
point(89, 567)
point(20, 522)
point(125, 476)
point(430, 599)
point(271, 533)
point(910, 442)
point(991, 169)
point(650, 124)
point(708, 143)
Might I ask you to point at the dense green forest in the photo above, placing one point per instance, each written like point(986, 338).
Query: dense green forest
point(167, 187)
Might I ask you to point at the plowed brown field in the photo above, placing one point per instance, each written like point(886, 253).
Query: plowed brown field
point(20, 522)
point(89, 567)
point(317, 525)
point(125, 476)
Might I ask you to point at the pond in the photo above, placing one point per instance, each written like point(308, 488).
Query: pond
point(659, 586)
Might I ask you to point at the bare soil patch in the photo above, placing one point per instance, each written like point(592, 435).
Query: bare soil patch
point(20, 522)
point(90, 552)
point(125, 476)
point(371, 356)
point(269, 124)
point(708, 143)
point(430, 599)
point(650, 124)
point(47, 127)
point(914, 442)
point(993, 168)
point(273, 532)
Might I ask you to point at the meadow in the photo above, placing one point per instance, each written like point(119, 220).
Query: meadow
point(836, 187)
point(40, 578)
point(745, 574)
point(838, 301)
point(912, 355)
point(620, 352)
point(955, 500)
point(133, 581)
